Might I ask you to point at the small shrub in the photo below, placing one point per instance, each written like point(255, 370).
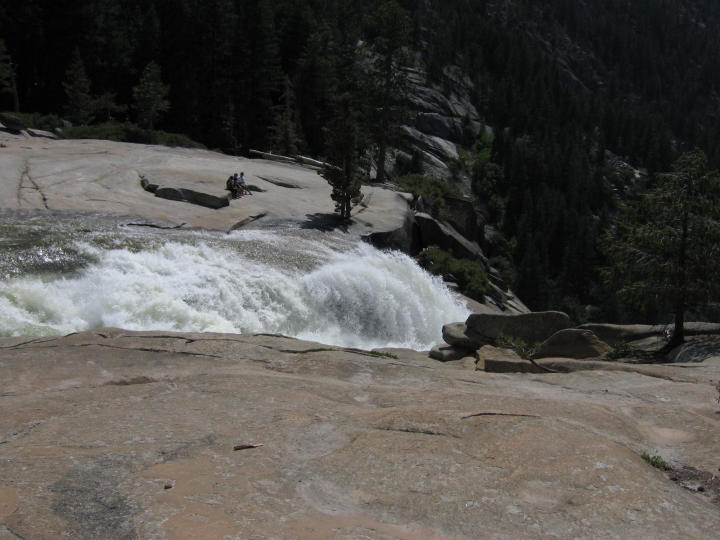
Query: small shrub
point(518, 345)
point(127, 132)
point(656, 461)
point(471, 278)
point(381, 354)
point(47, 122)
point(433, 191)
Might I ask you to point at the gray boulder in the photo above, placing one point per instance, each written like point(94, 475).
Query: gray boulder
point(623, 333)
point(455, 334)
point(11, 123)
point(41, 133)
point(573, 343)
point(531, 327)
point(448, 353)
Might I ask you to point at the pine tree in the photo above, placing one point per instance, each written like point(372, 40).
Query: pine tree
point(284, 132)
point(150, 96)
point(343, 170)
point(390, 29)
point(79, 104)
point(345, 143)
point(5, 68)
point(665, 246)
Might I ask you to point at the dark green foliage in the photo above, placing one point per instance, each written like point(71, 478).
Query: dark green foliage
point(79, 104)
point(434, 192)
point(471, 278)
point(343, 169)
point(48, 122)
point(388, 30)
point(665, 244)
point(150, 96)
point(5, 69)
point(656, 461)
point(129, 133)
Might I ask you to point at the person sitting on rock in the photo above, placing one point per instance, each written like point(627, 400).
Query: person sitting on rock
point(242, 185)
point(235, 189)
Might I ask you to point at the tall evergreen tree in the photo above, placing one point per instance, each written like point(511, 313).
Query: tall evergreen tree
point(7, 76)
point(284, 132)
point(345, 142)
point(150, 96)
point(390, 35)
point(665, 246)
point(79, 104)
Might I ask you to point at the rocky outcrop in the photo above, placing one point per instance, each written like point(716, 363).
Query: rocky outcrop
point(487, 328)
point(442, 115)
point(11, 123)
point(616, 334)
point(404, 238)
point(117, 434)
point(432, 232)
point(573, 343)
point(531, 327)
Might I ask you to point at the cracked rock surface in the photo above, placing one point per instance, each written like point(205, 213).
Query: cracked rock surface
point(104, 176)
point(117, 434)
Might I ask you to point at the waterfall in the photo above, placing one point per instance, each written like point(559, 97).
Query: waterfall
point(313, 286)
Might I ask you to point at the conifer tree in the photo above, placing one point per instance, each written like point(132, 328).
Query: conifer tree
point(284, 132)
point(150, 96)
point(343, 170)
point(79, 103)
point(390, 34)
point(5, 68)
point(665, 245)
point(345, 142)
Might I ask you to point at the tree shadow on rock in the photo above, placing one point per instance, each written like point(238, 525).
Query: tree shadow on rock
point(325, 222)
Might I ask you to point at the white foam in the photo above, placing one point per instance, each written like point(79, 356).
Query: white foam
point(360, 297)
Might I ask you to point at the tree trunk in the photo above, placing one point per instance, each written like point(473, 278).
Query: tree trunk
point(678, 337)
point(16, 98)
point(382, 150)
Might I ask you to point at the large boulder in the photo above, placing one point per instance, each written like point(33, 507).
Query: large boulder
point(534, 327)
point(11, 123)
point(455, 334)
point(623, 333)
point(573, 343)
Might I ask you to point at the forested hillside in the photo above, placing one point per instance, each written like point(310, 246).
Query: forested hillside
point(572, 91)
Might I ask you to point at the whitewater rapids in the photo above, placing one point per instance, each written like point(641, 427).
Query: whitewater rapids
point(314, 286)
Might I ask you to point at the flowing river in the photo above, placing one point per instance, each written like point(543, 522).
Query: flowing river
point(60, 274)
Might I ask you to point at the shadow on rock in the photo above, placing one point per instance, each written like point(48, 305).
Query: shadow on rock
point(325, 222)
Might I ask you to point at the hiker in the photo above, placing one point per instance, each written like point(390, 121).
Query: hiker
point(232, 186)
point(242, 185)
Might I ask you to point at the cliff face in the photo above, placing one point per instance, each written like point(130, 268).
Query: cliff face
point(441, 116)
point(115, 434)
